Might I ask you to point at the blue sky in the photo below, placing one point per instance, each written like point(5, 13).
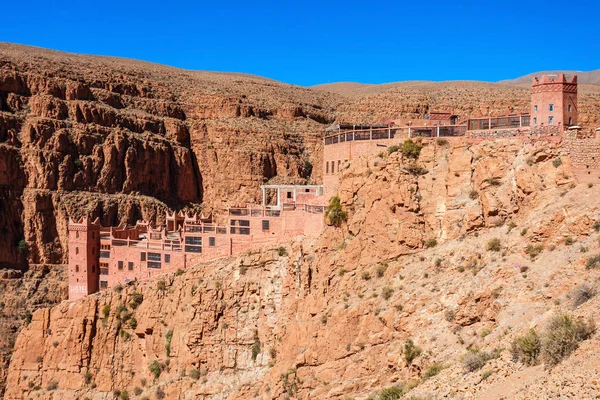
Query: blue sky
point(311, 42)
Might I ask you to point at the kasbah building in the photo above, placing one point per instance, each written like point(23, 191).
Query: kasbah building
point(103, 257)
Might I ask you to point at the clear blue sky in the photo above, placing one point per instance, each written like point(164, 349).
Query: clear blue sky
point(311, 42)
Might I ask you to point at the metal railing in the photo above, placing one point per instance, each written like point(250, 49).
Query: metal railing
point(507, 122)
point(398, 132)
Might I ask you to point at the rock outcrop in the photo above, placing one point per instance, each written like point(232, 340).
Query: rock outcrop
point(333, 317)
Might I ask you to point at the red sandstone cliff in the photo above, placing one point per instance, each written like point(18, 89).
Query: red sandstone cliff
point(330, 318)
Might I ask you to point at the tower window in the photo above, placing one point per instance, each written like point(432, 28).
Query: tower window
point(535, 108)
point(266, 225)
point(167, 258)
point(77, 234)
point(550, 107)
point(130, 266)
point(569, 108)
point(77, 268)
point(534, 121)
point(570, 120)
point(143, 256)
point(211, 241)
point(120, 265)
point(327, 167)
point(76, 250)
point(550, 120)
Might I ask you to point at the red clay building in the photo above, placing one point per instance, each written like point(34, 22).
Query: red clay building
point(102, 257)
point(554, 101)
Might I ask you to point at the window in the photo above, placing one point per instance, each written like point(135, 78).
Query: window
point(105, 251)
point(550, 107)
point(153, 265)
point(77, 234)
point(76, 250)
point(130, 266)
point(289, 195)
point(167, 258)
point(103, 284)
point(103, 268)
point(196, 241)
point(550, 120)
point(211, 241)
point(143, 256)
point(570, 120)
point(333, 167)
point(77, 268)
point(266, 225)
point(154, 257)
point(534, 121)
point(327, 167)
point(120, 264)
point(569, 108)
point(193, 249)
point(535, 108)
point(105, 246)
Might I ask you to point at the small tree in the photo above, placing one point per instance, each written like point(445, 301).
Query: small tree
point(410, 149)
point(23, 247)
point(335, 213)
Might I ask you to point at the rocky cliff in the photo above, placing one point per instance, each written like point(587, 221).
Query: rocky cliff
point(440, 266)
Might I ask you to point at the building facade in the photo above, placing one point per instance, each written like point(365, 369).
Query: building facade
point(103, 257)
point(554, 101)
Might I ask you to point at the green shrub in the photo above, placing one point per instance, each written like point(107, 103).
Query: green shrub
point(118, 288)
point(335, 213)
point(410, 149)
point(557, 162)
point(159, 393)
point(493, 181)
point(393, 149)
point(168, 338)
point(282, 252)
point(562, 337)
point(106, 310)
point(527, 348)
point(416, 170)
point(569, 240)
point(449, 315)
point(28, 317)
point(53, 385)
point(429, 243)
point(380, 270)
point(22, 247)
point(473, 194)
point(494, 245)
point(179, 272)
point(596, 226)
point(124, 395)
point(78, 163)
point(486, 374)
point(442, 142)
point(87, 377)
point(161, 285)
point(137, 391)
point(411, 351)
point(342, 272)
point(433, 370)
point(155, 368)
point(133, 323)
point(593, 262)
point(308, 168)
point(136, 299)
point(391, 393)
point(195, 374)
point(366, 275)
point(534, 250)
point(582, 294)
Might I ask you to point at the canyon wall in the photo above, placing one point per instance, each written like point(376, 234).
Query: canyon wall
point(331, 318)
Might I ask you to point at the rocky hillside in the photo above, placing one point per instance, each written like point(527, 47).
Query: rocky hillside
point(426, 291)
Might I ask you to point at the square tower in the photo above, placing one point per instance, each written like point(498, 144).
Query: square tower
point(554, 101)
point(84, 250)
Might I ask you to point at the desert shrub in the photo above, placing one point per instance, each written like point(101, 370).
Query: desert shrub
point(449, 315)
point(124, 395)
point(335, 213)
point(133, 323)
point(168, 338)
point(433, 370)
point(308, 169)
point(387, 292)
point(581, 294)
point(511, 225)
point(494, 245)
point(195, 373)
point(118, 288)
point(159, 393)
point(410, 149)
point(475, 359)
point(22, 247)
point(53, 385)
point(391, 393)
point(411, 351)
point(393, 149)
point(78, 163)
point(380, 270)
point(442, 142)
point(533, 251)
point(106, 310)
point(562, 337)
point(342, 272)
point(282, 252)
point(557, 162)
point(28, 317)
point(473, 194)
point(155, 368)
point(161, 285)
point(569, 240)
point(593, 262)
point(486, 374)
point(179, 272)
point(255, 346)
point(87, 377)
point(366, 275)
point(526, 348)
point(416, 170)
point(523, 231)
point(137, 391)
point(493, 181)
point(429, 243)
point(136, 299)
point(596, 226)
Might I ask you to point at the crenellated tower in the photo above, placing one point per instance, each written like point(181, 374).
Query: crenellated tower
point(554, 101)
point(84, 250)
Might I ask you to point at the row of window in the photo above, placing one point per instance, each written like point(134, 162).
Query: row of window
point(551, 108)
point(551, 121)
point(330, 166)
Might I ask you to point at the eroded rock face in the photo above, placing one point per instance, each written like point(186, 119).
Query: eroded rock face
point(90, 125)
point(329, 318)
